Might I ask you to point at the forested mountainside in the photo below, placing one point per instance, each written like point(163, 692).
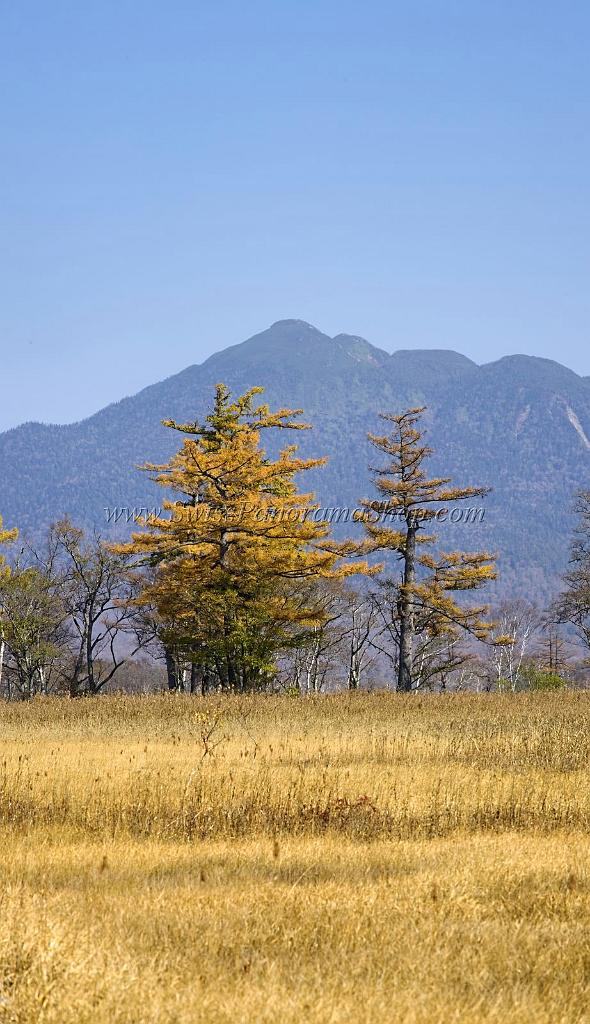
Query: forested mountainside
point(520, 424)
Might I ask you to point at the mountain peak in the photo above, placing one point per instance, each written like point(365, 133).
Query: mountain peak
point(285, 339)
point(289, 323)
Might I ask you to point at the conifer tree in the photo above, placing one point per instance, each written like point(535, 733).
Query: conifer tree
point(395, 522)
point(237, 545)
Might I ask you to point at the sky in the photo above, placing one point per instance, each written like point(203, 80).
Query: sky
point(175, 177)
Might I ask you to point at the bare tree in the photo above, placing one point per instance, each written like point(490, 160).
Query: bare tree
point(573, 605)
point(97, 589)
point(309, 665)
point(361, 619)
point(438, 647)
point(338, 649)
point(517, 623)
point(553, 652)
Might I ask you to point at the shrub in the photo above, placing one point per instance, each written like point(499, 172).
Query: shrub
point(533, 678)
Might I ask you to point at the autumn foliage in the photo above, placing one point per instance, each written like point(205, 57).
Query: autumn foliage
point(397, 523)
point(234, 562)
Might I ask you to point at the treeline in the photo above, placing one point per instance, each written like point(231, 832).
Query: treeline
point(238, 586)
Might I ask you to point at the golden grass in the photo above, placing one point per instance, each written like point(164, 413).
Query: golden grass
point(365, 858)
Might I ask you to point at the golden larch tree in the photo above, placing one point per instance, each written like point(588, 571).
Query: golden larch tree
point(236, 553)
point(395, 522)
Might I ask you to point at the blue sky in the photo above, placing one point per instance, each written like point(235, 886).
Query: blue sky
point(175, 177)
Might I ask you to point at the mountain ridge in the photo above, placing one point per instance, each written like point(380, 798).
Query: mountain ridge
point(520, 424)
point(411, 354)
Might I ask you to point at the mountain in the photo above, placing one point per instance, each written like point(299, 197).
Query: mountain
point(520, 425)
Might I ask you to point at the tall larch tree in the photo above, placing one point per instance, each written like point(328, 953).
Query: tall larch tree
point(395, 523)
point(233, 556)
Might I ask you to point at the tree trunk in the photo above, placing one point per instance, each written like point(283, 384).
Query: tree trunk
point(205, 680)
point(221, 670)
point(171, 670)
point(353, 675)
point(196, 674)
point(407, 625)
point(74, 683)
point(90, 681)
point(233, 677)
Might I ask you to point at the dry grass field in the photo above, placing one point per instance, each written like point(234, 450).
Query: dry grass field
point(360, 858)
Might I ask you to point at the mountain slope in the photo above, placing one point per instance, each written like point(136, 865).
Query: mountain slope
point(520, 424)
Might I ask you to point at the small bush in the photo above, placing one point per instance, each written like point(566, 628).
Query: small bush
point(540, 679)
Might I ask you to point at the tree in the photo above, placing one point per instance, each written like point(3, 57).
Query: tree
point(34, 626)
point(96, 588)
point(437, 650)
point(427, 581)
point(553, 652)
point(573, 605)
point(339, 647)
point(308, 667)
point(6, 537)
point(360, 625)
point(240, 543)
point(518, 622)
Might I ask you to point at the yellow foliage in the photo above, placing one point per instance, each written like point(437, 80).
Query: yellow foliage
point(6, 537)
point(409, 496)
point(240, 543)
